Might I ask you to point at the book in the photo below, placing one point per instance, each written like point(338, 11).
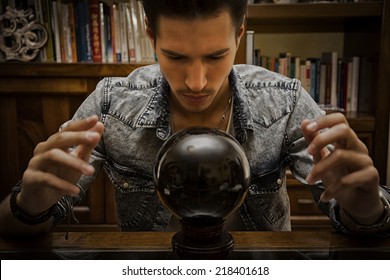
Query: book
point(116, 23)
point(330, 58)
point(130, 34)
point(314, 78)
point(355, 83)
point(250, 47)
point(56, 31)
point(348, 104)
point(136, 22)
point(322, 83)
point(47, 22)
point(103, 33)
point(305, 74)
point(72, 31)
point(148, 52)
point(285, 64)
point(123, 32)
point(95, 31)
point(112, 29)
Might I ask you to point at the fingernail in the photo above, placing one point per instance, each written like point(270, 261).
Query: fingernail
point(312, 126)
point(91, 135)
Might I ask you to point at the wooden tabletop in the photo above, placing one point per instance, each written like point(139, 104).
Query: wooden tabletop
point(161, 241)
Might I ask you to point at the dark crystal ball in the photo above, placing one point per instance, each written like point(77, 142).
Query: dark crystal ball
point(201, 174)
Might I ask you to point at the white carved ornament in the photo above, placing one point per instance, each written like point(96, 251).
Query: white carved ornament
point(21, 36)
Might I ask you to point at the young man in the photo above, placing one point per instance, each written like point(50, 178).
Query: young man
point(125, 121)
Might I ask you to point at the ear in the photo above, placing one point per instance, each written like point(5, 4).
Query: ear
point(149, 33)
point(241, 32)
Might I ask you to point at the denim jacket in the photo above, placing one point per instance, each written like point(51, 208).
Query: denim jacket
point(268, 109)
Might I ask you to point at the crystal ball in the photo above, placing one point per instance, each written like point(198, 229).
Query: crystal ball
point(201, 174)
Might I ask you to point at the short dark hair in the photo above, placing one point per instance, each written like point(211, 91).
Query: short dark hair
point(193, 9)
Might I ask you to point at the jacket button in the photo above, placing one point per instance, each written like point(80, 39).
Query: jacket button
point(279, 181)
point(125, 185)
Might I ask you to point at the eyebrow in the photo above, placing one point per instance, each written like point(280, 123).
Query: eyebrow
point(216, 53)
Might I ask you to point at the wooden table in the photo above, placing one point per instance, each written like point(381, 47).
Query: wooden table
point(156, 245)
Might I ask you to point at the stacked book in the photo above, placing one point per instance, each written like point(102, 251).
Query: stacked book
point(340, 82)
point(94, 31)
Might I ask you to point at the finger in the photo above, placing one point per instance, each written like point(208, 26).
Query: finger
point(308, 135)
point(84, 151)
point(335, 122)
point(340, 189)
point(312, 128)
point(326, 121)
point(345, 160)
point(71, 126)
point(80, 125)
point(66, 139)
point(47, 181)
point(339, 135)
point(60, 160)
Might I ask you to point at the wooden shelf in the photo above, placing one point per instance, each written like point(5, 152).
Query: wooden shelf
point(264, 12)
point(76, 70)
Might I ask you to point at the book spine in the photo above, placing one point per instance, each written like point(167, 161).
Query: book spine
point(113, 30)
point(108, 33)
point(56, 32)
point(137, 30)
point(130, 34)
point(333, 89)
point(355, 83)
point(322, 83)
point(87, 31)
point(95, 31)
point(72, 31)
point(249, 46)
point(123, 31)
point(117, 34)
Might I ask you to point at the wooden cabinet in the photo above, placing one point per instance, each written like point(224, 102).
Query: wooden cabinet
point(36, 98)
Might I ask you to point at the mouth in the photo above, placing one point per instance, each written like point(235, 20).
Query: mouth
point(195, 100)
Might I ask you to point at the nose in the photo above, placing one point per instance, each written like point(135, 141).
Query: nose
point(196, 76)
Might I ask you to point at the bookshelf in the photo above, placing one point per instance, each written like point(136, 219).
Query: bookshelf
point(35, 98)
point(364, 29)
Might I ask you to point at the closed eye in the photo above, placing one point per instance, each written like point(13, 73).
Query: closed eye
point(216, 57)
point(175, 57)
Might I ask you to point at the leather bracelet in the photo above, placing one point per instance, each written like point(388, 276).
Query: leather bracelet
point(23, 216)
point(381, 225)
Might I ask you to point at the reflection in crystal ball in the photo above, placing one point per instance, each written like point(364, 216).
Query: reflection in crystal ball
point(201, 174)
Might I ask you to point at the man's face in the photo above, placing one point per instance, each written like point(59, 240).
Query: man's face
point(196, 57)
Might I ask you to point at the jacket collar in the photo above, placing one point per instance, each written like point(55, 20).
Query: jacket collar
point(156, 114)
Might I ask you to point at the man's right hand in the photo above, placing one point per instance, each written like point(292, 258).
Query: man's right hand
point(57, 165)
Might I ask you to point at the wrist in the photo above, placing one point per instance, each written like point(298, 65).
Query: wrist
point(380, 224)
point(24, 216)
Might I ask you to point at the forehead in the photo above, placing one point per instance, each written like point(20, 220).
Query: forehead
point(203, 33)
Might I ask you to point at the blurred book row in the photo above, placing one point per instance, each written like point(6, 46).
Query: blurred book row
point(341, 83)
point(90, 30)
